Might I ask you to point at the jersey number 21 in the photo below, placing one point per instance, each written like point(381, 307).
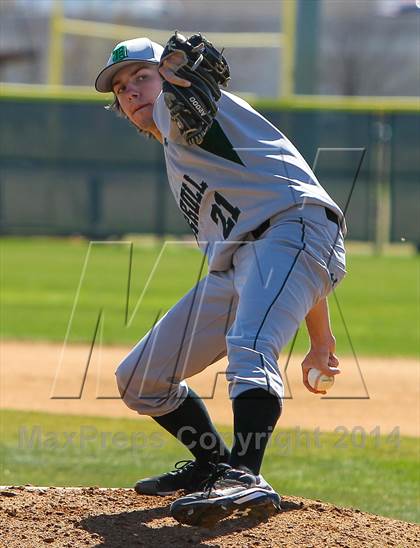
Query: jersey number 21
point(224, 212)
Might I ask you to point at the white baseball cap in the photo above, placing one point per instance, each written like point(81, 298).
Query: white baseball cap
point(125, 53)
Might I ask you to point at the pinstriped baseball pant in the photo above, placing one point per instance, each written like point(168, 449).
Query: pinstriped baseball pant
point(248, 313)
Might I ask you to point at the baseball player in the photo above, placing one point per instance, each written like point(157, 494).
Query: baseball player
point(273, 239)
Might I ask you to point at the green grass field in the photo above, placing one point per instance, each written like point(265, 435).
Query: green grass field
point(375, 474)
point(40, 278)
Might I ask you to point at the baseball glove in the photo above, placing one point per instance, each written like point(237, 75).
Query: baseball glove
point(193, 108)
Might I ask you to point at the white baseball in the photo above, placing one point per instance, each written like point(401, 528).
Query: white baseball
point(318, 380)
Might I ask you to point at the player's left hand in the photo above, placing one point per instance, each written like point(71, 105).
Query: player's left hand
point(193, 71)
point(170, 65)
point(322, 358)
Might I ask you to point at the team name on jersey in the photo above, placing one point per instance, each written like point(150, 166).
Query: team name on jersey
point(190, 199)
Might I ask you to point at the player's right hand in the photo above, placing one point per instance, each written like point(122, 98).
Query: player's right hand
point(322, 358)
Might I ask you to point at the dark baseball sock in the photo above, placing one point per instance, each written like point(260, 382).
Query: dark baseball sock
point(192, 425)
point(255, 413)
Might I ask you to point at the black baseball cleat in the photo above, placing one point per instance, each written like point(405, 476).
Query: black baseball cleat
point(228, 492)
point(188, 476)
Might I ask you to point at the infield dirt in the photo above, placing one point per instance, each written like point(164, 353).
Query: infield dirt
point(119, 518)
point(382, 394)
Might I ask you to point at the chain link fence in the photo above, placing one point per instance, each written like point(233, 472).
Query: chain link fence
point(72, 168)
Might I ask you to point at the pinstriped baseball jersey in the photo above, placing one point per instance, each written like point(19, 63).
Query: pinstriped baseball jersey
point(244, 172)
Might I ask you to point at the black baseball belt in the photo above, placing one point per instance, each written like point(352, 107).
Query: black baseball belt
point(259, 231)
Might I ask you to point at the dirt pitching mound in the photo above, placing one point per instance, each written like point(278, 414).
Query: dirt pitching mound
point(73, 517)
